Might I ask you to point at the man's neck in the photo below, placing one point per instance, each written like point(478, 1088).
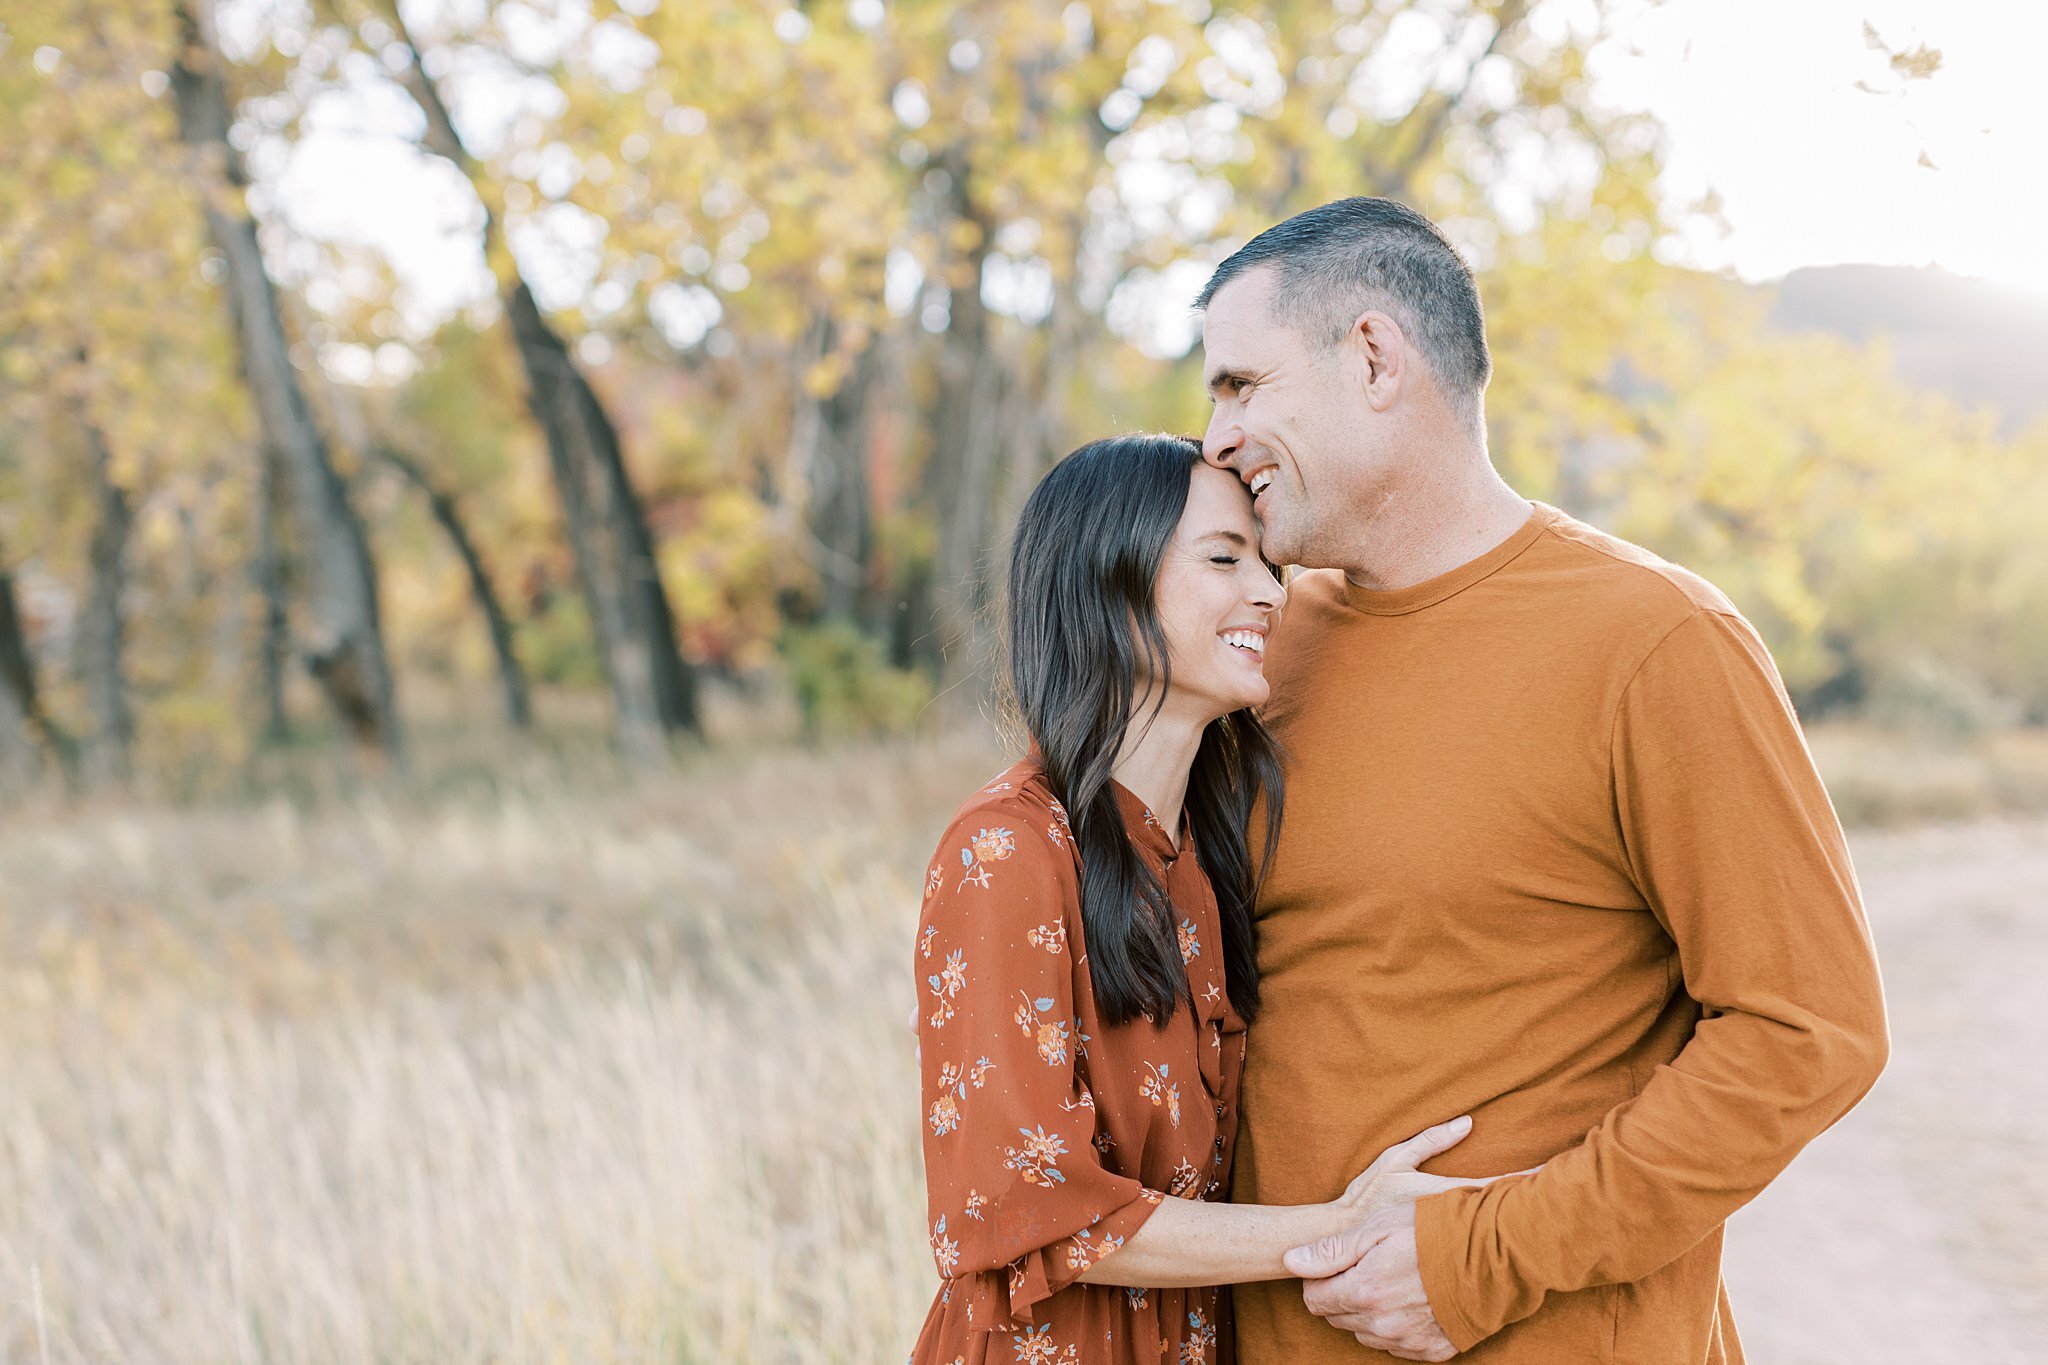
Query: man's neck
point(1428, 527)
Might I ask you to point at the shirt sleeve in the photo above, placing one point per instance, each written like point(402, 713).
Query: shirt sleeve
point(1020, 1201)
point(1731, 839)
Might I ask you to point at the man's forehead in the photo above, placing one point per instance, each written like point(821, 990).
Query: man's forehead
point(1242, 296)
point(1237, 312)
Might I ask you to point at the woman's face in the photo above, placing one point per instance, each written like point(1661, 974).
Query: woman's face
point(1216, 598)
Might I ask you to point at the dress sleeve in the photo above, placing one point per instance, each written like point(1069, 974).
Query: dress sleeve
point(1020, 1201)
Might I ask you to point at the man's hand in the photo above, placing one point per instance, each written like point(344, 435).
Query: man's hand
point(1368, 1282)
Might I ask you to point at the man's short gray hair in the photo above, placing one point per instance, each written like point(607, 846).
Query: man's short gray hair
point(1345, 258)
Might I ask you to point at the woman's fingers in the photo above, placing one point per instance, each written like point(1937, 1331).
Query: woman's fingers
point(1406, 1156)
point(1425, 1183)
point(1393, 1181)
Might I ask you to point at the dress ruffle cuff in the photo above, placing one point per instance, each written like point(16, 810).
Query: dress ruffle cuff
point(1003, 1299)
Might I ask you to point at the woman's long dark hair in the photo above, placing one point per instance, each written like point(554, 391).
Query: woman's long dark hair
point(1084, 569)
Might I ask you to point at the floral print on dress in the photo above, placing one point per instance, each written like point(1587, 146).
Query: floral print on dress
point(1158, 1089)
point(1038, 1160)
point(945, 1110)
point(944, 1114)
point(1060, 833)
point(1041, 1124)
point(945, 1250)
point(1051, 1035)
point(1084, 1251)
point(1036, 1347)
point(945, 986)
point(987, 846)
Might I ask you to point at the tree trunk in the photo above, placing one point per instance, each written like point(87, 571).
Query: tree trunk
point(19, 712)
point(826, 490)
point(267, 576)
point(1395, 181)
point(511, 677)
point(962, 475)
point(841, 511)
point(346, 652)
point(654, 691)
point(100, 631)
point(1042, 433)
point(22, 718)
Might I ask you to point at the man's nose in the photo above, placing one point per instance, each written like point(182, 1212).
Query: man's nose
point(1220, 442)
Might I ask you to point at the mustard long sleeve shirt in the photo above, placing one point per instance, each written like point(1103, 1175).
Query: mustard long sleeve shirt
point(1554, 854)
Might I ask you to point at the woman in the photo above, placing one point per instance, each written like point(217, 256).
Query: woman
point(1085, 945)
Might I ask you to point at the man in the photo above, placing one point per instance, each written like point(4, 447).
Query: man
point(1553, 853)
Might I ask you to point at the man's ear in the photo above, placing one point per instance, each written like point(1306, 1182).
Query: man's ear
point(1379, 350)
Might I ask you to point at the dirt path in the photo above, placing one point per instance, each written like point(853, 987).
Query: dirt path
point(1916, 1232)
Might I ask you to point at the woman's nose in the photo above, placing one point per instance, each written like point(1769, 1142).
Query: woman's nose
point(1267, 591)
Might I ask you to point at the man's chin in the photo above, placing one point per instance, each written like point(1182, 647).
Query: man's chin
point(1277, 546)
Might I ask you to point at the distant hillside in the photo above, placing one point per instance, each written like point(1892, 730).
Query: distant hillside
point(1981, 343)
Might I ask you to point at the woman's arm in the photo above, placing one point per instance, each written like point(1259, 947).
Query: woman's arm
point(1019, 1199)
point(1186, 1242)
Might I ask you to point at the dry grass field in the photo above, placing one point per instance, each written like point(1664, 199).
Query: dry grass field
point(526, 1065)
point(539, 1074)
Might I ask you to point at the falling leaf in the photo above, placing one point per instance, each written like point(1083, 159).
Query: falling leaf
point(1917, 63)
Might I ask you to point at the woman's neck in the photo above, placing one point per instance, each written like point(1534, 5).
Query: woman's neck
point(1154, 764)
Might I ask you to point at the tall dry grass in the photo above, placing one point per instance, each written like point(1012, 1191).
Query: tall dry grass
point(620, 1074)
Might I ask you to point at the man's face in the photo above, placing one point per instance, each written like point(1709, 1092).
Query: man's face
point(1282, 410)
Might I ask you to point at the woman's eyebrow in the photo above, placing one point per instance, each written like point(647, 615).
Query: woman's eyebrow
point(1233, 537)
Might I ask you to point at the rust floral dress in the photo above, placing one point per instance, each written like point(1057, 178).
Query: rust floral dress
point(1049, 1136)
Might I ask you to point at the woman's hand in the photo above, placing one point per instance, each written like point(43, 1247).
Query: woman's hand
point(1392, 1179)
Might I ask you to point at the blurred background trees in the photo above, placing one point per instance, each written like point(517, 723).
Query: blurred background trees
point(781, 308)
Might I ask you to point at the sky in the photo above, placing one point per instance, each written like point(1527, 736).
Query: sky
point(1818, 152)
point(1762, 104)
